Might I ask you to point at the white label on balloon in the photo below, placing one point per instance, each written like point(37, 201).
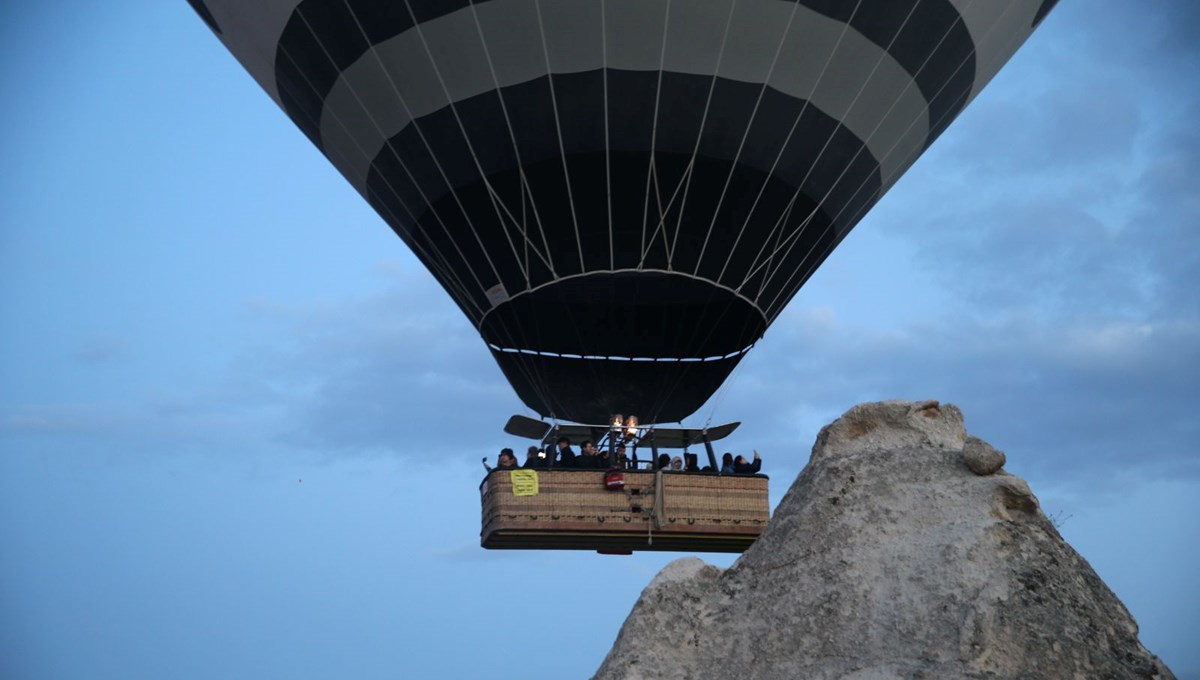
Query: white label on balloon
point(497, 294)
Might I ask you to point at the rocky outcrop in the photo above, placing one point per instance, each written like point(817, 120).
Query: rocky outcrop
point(981, 458)
point(901, 551)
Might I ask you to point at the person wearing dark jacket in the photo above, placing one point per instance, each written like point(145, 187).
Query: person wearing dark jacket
point(591, 458)
point(624, 462)
point(534, 458)
point(566, 457)
point(727, 463)
point(508, 460)
point(742, 467)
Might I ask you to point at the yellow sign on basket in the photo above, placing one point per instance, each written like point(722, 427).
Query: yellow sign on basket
point(524, 482)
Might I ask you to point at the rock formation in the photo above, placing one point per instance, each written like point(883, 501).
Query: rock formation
point(899, 552)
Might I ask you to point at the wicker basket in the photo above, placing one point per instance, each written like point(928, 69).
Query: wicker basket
point(573, 510)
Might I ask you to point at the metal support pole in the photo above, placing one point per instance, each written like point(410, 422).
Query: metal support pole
point(712, 457)
point(654, 450)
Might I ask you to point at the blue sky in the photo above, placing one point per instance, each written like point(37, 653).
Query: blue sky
point(240, 425)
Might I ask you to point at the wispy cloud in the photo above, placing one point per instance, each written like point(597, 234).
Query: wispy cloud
point(1066, 401)
point(380, 372)
point(101, 349)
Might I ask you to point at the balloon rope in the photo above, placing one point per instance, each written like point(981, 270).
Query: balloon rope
point(558, 130)
point(366, 110)
point(883, 54)
point(570, 312)
point(788, 138)
point(725, 387)
point(529, 370)
point(516, 151)
point(512, 136)
point(650, 167)
point(448, 278)
point(791, 203)
point(663, 212)
point(420, 133)
point(451, 278)
point(908, 161)
point(687, 178)
point(746, 135)
point(794, 236)
point(686, 366)
point(374, 51)
point(679, 378)
point(493, 195)
point(612, 263)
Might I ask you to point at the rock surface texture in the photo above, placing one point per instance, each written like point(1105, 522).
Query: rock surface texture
point(889, 558)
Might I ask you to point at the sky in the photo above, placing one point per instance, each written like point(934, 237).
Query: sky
point(240, 425)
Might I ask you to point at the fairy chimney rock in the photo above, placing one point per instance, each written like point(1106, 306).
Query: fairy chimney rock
point(902, 550)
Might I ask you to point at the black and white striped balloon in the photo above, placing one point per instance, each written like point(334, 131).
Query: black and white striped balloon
point(622, 194)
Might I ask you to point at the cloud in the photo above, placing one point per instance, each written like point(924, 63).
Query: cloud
point(37, 420)
point(101, 349)
point(1163, 222)
point(391, 372)
point(1070, 402)
point(1049, 126)
point(198, 417)
point(394, 371)
point(1069, 194)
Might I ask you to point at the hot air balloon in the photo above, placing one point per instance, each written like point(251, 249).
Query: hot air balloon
point(622, 195)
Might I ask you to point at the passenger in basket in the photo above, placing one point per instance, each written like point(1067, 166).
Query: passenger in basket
point(534, 458)
point(508, 460)
point(623, 461)
point(677, 464)
point(566, 457)
point(742, 467)
point(592, 458)
point(727, 463)
point(664, 461)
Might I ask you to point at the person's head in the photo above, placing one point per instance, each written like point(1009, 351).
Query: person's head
point(676, 463)
point(531, 453)
point(507, 458)
point(620, 450)
point(664, 460)
point(727, 459)
point(740, 460)
point(588, 447)
point(563, 443)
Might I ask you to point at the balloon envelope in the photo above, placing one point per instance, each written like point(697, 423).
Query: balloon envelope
point(622, 195)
